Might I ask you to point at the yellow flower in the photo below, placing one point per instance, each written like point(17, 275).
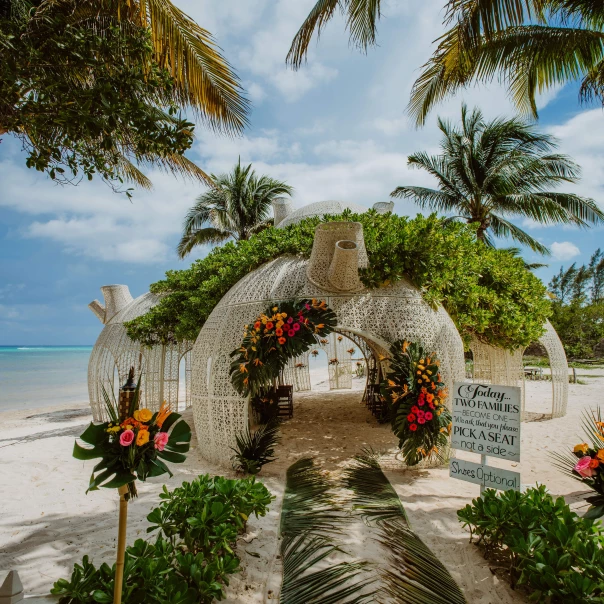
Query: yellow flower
point(600, 455)
point(421, 361)
point(275, 308)
point(143, 415)
point(142, 438)
point(582, 448)
point(419, 372)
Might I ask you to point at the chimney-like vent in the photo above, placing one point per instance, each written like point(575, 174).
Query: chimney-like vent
point(116, 298)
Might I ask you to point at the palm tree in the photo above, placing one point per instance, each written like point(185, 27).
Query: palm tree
point(491, 171)
point(237, 206)
point(533, 44)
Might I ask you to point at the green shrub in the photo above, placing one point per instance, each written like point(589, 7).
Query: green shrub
point(555, 553)
point(192, 557)
point(255, 449)
point(207, 514)
point(488, 292)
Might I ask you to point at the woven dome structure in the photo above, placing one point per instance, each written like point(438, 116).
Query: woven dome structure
point(114, 353)
point(285, 215)
point(371, 318)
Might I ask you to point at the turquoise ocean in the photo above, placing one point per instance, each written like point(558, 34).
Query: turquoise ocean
point(41, 376)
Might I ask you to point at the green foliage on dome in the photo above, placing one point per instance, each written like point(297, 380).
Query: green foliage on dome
point(487, 292)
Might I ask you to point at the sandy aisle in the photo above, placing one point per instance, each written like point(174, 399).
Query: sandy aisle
point(47, 522)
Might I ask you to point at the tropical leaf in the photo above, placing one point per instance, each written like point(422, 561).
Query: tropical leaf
point(255, 449)
point(373, 495)
point(310, 517)
point(414, 574)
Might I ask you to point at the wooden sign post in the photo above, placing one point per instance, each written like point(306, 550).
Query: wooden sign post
point(486, 420)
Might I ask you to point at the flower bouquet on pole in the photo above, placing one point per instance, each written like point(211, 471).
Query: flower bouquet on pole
point(586, 462)
point(132, 445)
point(415, 397)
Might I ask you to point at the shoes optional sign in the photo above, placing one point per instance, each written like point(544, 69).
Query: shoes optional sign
point(488, 477)
point(486, 419)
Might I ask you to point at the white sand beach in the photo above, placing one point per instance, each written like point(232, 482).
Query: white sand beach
point(47, 522)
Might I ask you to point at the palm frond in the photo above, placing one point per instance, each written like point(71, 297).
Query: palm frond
point(311, 517)
point(361, 22)
point(206, 236)
point(309, 503)
point(503, 228)
point(339, 583)
point(204, 78)
point(414, 573)
point(374, 496)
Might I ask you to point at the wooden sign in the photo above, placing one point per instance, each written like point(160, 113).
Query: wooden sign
point(486, 419)
point(487, 477)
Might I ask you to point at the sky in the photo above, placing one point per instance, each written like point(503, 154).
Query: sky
point(335, 129)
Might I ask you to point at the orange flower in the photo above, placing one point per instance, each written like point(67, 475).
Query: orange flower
point(270, 325)
point(443, 393)
point(257, 362)
point(430, 397)
point(257, 325)
point(594, 463)
point(164, 412)
point(242, 368)
point(600, 455)
point(279, 331)
point(405, 346)
point(281, 341)
point(582, 448)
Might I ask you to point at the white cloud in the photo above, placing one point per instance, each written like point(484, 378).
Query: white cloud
point(255, 92)
point(565, 250)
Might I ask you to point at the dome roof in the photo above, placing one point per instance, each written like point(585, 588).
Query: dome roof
point(320, 208)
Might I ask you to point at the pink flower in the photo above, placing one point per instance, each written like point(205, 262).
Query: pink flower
point(291, 333)
point(421, 420)
point(307, 306)
point(583, 469)
point(296, 326)
point(421, 402)
point(428, 416)
point(161, 440)
point(290, 320)
point(127, 438)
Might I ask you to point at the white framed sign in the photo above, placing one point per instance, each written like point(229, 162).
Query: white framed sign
point(486, 476)
point(486, 419)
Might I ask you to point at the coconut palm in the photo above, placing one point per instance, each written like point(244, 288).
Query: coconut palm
point(533, 44)
point(491, 171)
point(237, 206)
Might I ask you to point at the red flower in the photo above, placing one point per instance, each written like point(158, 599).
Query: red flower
point(415, 409)
point(281, 341)
point(421, 420)
point(428, 416)
point(269, 325)
point(257, 325)
point(413, 427)
point(411, 417)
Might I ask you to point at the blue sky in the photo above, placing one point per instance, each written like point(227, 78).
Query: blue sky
point(336, 129)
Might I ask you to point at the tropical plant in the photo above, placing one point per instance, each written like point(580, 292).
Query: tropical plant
point(578, 307)
point(414, 573)
point(556, 554)
point(96, 86)
point(489, 171)
point(206, 515)
point(487, 292)
point(586, 461)
point(310, 518)
point(192, 557)
point(237, 205)
point(534, 45)
point(255, 449)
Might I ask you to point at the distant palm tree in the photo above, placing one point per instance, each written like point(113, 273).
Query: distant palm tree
point(491, 171)
point(238, 206)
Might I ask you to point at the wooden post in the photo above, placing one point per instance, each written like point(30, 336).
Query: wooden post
point(121, 545)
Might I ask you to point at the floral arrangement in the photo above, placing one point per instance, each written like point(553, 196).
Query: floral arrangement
point(586, 462)
point(315, 352)
point(334, 362)
point(351, 351)
point(415, 397)
point(133, 447)
point(286, 330)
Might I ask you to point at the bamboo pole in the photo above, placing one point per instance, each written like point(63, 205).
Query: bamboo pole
point(121, 545)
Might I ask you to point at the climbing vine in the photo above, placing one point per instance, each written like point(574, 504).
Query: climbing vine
point(488, 293)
